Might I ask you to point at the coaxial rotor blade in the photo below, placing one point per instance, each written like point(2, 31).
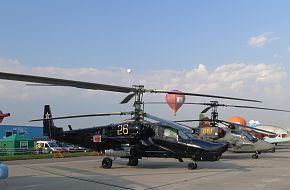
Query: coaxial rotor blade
point(65, 82)
point(253, 107)
point(97, 86)
point(35, 84)
point(155, 102)
point(128, 98)
point(206, 109)
point(191, 120)
point(248, 127)
point(198, 103)
point(203, 111)
point(216, 104)
point(205, 104)
point(201, 95)
point(87, 115)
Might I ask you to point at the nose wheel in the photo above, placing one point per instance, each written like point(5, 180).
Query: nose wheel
point(192, 166)
point(107, 163)
point(133, 161)
point(255, 156)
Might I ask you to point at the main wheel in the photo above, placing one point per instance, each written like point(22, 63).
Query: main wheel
point(273, 150)
point(107, 163)
point(192, 166)
point(133, 161)
point(255, 156)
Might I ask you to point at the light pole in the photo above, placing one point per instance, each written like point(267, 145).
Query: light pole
point(129, 71)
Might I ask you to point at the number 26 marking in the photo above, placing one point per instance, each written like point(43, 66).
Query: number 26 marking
point(123, 129)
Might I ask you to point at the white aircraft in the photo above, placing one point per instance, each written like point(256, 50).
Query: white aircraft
point(282, 135)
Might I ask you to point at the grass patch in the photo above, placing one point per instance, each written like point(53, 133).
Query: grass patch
point(44, 156)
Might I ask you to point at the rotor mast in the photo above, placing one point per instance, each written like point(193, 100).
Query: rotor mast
point(138, 111)
point(214, 113)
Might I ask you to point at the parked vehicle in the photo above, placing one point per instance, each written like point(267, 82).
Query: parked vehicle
point(47, 146)
point(70, 147)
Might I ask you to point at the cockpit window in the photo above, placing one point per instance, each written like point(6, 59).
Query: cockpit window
point(169, 132)
point(244, 135)
point(250, 137)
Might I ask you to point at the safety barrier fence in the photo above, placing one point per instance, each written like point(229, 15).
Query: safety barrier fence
point(21, 154)
point(24, 151)
point(17, 151)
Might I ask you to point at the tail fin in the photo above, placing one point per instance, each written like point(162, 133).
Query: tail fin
point(203, 120)
point(49, 129)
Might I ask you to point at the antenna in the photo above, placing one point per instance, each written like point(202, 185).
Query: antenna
point(129, 71)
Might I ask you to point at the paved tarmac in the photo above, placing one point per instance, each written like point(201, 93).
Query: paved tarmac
point(232, 172)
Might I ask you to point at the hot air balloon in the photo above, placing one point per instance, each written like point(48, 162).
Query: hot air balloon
point(2, 115)
point(175, 101)
point(238, 120)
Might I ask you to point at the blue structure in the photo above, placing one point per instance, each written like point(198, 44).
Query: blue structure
point(3, 171)
point(29, 131)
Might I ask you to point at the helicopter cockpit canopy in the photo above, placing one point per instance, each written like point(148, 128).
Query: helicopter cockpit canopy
point(244, 135)
point(171, 133)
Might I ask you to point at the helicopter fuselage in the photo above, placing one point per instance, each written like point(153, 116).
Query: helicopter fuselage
point(143, 139)
point(239, 141)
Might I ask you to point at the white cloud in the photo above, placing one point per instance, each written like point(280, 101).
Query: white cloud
point(237, 85)
point(237, 79)
point(245, 80)
point(260, 40)
point(289, 48)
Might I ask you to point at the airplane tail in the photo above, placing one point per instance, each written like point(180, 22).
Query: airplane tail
point(49, 129)
point(203, 120)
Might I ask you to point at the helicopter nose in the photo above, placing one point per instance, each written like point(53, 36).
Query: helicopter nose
point(265, 146)
point(271, 147)
point(220, 147)
point(224, 147)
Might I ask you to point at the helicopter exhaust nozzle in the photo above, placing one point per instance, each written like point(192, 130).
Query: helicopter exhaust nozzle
point(117, 153)
point(221, 132)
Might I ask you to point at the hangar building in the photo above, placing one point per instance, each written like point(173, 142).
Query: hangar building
point(32, 132)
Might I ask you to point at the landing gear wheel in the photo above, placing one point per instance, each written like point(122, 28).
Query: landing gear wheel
point(255, 156)
point(133, 161)
point(107, 163)
point(273, 150)
point(192, 166)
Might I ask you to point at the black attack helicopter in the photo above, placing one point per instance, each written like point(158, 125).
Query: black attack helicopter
point(134, 138)
point(236, 135)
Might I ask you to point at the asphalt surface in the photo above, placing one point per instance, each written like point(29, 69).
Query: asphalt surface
point(232, 172)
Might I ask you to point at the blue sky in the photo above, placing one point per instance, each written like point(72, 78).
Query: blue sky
point(195, 44)
point(142, 34)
